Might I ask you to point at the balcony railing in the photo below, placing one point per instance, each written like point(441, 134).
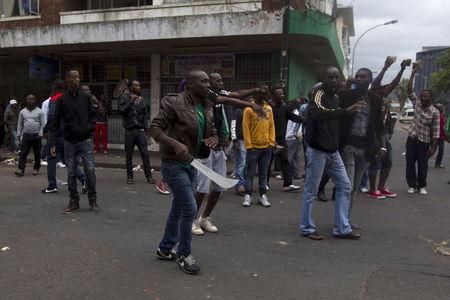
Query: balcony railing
point(106, 4)
point(18, 8)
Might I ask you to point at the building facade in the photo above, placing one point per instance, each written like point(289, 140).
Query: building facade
point(157, 42)
point(429, 56)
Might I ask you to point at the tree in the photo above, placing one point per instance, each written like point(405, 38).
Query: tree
point(401, 90)
point(441, 80)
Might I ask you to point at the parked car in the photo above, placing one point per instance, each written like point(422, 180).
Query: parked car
point(407, 115)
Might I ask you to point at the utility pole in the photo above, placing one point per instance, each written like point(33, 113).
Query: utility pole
point(284, 68)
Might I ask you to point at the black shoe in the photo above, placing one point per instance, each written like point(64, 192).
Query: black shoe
point(93, 205)
point(188, 264)
point(355, 227)
point(151, 180)
point(73, 207)
point(349, 236)
point(322, 197)
point(19, 173)
point(162, 255)
point(84, 187)
point(130, 180)
point(49, 190)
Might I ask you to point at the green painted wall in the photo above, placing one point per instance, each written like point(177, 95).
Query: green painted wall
point(301, 77)
point(318, 24)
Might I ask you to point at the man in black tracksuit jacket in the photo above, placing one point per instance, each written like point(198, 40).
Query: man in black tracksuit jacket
point(323, 139)
point(134, 114)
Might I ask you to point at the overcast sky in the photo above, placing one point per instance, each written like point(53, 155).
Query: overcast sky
point(421, 23)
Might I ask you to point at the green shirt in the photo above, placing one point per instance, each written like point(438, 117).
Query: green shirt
point(201, 125)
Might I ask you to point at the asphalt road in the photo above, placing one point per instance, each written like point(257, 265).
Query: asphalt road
point(258, 253)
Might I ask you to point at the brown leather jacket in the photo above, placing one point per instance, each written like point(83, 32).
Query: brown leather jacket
point(178, 119)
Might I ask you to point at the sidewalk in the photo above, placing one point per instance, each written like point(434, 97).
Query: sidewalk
point(114, 158)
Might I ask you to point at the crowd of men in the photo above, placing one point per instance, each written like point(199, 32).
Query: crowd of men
point(344, 128)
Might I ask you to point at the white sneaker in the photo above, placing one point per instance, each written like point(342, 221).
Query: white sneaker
point(411, 190)
point(267, 188)
point(60, 165)
point(263, 201)
point(205, 223)
point(423, 191)
point(291, 188)
point(364, 190)
point(247, 200)
point(196, 228)
point(43, 163)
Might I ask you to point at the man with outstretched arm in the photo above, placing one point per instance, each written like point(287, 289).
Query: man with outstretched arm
point(323, 139)
point(384, 164)
point(422, 139)
point(362, 132)
point(217, 158)
point(184, 128)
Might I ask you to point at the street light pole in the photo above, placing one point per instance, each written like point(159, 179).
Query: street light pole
point(371, 28)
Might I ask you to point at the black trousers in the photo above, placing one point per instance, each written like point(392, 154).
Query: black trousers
point(416, 152)
point(136, 138)
point(440, 155)
point(286, 168)
point(30, 141)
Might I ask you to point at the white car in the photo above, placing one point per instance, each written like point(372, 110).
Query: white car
point(407, 115)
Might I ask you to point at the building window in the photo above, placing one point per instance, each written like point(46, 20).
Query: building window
point(18, 8)
point(104, 4)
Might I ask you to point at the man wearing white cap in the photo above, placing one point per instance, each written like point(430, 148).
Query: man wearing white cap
point(11, 117)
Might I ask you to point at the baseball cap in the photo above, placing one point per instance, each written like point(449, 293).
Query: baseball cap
point(12, 102)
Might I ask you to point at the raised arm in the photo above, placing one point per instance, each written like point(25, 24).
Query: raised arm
point(388, 88)
point(412, 96)
point(316, 112)
point(239, 103)
point(293, 117)
point(376, 84)
point(126, 102)
point(242, 93)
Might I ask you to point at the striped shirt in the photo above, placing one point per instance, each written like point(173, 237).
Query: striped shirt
point(425, 125)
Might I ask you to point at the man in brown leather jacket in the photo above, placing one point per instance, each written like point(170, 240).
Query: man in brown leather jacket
point(184, 128)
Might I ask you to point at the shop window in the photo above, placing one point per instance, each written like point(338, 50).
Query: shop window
point(18, 8)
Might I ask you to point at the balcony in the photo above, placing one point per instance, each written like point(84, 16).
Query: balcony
point(159, 9)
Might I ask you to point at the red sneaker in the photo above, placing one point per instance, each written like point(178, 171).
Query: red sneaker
point(376, 194)
point(162, 188)
point(387, 193)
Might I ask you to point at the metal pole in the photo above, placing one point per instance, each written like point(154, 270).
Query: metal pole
point(285, 45)
point(371, 28)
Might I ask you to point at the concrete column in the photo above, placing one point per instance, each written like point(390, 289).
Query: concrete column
point(155, 90)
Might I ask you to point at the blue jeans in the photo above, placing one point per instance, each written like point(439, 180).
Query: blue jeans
point(239, 170)
point(85, 151)
point(364, 180)
point(13, 133)
point(184, 208)
point(318, 161)
point(51, 166)
point(257, 157)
